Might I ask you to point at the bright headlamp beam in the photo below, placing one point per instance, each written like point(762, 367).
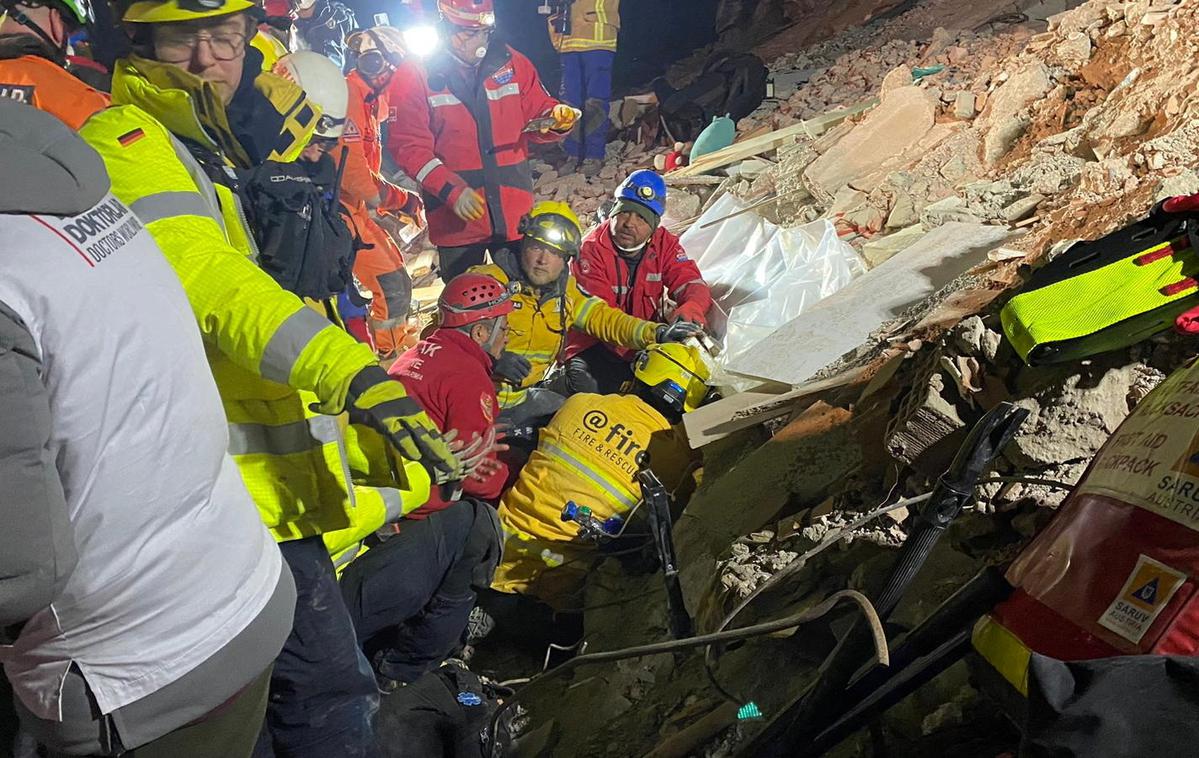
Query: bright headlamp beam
point(421, 41)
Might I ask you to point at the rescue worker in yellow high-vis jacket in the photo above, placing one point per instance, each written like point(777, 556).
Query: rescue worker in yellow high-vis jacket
point(588, 455)
point(284, 365)
point(548, 303)
point(584, 33)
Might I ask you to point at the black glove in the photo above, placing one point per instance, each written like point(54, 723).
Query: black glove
point(679, 331)
point(1158, 212)
point(511, 368)
point(380, 402)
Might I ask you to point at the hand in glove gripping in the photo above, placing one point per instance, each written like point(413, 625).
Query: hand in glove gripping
point(565, 118)
point(511, 368)
point(380, 402)
point(470, 205)
point(679, 331)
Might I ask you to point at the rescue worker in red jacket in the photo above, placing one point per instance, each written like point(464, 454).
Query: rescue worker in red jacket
point(411, 594)
point(459, 131)
point(449, 373)
point(375, 202)
point(632, 263)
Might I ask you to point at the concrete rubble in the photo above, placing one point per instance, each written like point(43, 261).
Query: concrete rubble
point(1044, 124)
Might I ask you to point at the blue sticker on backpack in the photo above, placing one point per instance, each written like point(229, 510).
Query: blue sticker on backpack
point(469, 698)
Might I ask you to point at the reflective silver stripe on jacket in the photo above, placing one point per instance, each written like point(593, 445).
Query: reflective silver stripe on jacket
point(392, 501)
point(427, 169)
point(203, 183)
point(653, 277)
point(441, 101)
point(347, 557)
point(296, 437)
point(162, 205)
point(288, 341)
point(619, 289)
point(507, 90)
point(622, 497)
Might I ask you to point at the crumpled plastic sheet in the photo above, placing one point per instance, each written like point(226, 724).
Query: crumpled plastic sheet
point(763, 276)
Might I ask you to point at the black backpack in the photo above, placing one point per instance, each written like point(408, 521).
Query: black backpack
point(303, 242)
point(444, 714)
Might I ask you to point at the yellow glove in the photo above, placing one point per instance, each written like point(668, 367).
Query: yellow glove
point(380, 402)
point(470, 205)
point(565, 117)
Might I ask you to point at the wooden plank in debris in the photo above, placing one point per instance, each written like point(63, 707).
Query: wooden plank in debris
point(750, 147)
point(745, 409)
point(423, 297)
point(721, 189)
point(674, 180)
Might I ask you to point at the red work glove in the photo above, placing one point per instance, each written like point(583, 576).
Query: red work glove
point(690, 312)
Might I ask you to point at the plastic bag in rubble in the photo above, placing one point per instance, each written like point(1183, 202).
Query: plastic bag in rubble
point(763, 275)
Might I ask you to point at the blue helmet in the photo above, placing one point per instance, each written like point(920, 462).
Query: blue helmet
point(645, 188)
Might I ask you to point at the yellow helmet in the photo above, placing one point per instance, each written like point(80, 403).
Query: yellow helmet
point(161, 12)
point(555, 224)
point(676, 375)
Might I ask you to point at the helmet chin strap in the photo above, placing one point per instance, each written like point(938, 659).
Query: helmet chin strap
point(15, 13)
point(629, 251)
point(489, 345)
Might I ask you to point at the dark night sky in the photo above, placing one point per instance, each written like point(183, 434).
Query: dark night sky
point(654, 33)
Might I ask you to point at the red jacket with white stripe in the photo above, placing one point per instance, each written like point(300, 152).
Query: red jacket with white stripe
point(450, 376)
point(457, 127)
point(663, 271)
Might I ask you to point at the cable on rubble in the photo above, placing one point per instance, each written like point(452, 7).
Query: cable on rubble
point(829, 540)
point(882, 654)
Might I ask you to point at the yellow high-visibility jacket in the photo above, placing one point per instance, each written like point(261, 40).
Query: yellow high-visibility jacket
point(587, 454)
point(538, 326)
point(270, 47)
point(272, 356)
point(594, 25)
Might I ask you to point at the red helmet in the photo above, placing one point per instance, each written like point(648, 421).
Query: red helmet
point(470, 14)
point(472, 297)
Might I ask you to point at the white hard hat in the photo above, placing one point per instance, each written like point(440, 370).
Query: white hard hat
point(322, 80)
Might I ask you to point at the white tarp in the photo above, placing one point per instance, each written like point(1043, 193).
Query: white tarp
point(762, 275)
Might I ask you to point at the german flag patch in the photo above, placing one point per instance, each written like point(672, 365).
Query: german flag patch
point(128, 138)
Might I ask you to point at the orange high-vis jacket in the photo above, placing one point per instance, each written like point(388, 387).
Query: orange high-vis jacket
point(362, 181)
point(43, 84)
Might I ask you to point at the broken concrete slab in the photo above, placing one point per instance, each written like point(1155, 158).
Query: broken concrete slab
point(1004, 118)
point(904, 117)
point(841, 322)
point(876, 251)
point(681, 205)
point(1022, 209)
point(903, 213)
point(964, 105)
